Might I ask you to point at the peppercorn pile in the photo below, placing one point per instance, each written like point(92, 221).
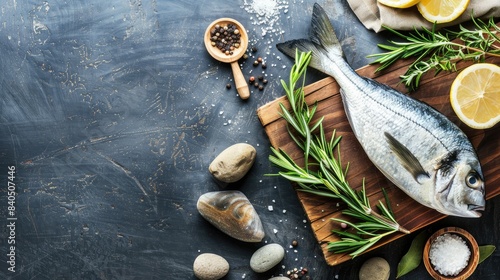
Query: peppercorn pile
point(225, 38)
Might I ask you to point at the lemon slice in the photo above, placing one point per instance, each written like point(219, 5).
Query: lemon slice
point(440, 11)
point(475, 95)
point(399, 3)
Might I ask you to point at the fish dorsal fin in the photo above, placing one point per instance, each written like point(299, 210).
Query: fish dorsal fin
point(407, 159)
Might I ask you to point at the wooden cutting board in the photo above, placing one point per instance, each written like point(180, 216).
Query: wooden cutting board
point(433, 90)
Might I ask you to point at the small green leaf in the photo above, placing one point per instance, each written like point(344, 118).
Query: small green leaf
point(485, 251)
point(413, 257)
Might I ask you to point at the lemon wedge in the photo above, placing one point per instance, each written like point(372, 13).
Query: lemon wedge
point(399, 3)
point(475, 95)
point(440, 11)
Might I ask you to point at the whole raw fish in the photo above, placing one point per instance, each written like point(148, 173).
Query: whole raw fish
point(411, 143)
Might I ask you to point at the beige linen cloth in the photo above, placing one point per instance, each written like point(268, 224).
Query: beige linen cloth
point(373, 14)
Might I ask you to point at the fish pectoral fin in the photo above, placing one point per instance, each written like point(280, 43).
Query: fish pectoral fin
point(407, 159)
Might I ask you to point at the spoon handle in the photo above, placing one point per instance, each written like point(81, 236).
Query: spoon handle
point(239, 80)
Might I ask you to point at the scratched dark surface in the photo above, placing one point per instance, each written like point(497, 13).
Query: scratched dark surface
point(111, 112)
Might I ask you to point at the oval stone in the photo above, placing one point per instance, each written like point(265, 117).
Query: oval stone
point(233, 163)
point(375, 269)
point(279, 278)
point(232, 213)
point(267, 257)
point(208, 266)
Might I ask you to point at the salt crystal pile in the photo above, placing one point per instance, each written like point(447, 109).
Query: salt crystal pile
point(449, 254)
point(267, 13)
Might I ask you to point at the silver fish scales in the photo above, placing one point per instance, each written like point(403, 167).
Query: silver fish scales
point(412, 144)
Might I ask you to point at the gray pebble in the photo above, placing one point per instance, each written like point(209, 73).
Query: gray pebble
point(279, 278)
point(375, 269)
point(267, 257)
point(209, 266)
point(233, 163)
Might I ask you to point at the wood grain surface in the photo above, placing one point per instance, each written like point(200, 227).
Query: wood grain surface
point(434, 90)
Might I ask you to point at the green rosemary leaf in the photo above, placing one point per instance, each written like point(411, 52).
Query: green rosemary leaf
point(289, 118)
point(389, 207)
point(281, 159)
point(299, 179)
point(365, 247)
point(347, 235)
point(320, 193)
point(317, 125)
point(385, 212)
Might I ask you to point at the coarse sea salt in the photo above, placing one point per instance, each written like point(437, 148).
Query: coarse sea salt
point(267, 13)
point(449, 254)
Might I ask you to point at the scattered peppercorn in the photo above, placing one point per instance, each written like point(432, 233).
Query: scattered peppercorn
point(259, 59)
point(255, 63)
point(261, 87)
point(298, 273)
point(264, 65)
point(260, 77)
point(254, 49)
point(251, 79)
point(256, 84)
point(245, 56)
point(295, 243)
point(228, 86)
point(264, 81)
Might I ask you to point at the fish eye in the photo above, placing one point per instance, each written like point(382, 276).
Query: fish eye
point(473, 180)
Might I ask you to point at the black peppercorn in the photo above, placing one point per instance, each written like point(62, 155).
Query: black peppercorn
point(256, 84)
point(254, 49)
point(261, 87)
point(264, 65)
point(228, 86)
point(226, 38)
point(264, 81)
point(255, 63)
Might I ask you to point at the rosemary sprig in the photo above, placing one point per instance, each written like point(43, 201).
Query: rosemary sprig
point(323, 174)
point(438, 51)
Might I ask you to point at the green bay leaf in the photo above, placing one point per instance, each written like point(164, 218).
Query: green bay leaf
point(485, 251)
point(413, 257)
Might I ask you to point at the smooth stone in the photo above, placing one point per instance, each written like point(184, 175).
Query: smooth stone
point(375, 269)
point(267, 257)
point(233, 214)
point(279, 278)
point(208, 266)
point(233, 163)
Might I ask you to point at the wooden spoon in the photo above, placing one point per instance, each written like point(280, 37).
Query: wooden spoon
point(239, 79)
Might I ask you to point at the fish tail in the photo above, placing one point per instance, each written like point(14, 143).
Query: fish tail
point(322, 42)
